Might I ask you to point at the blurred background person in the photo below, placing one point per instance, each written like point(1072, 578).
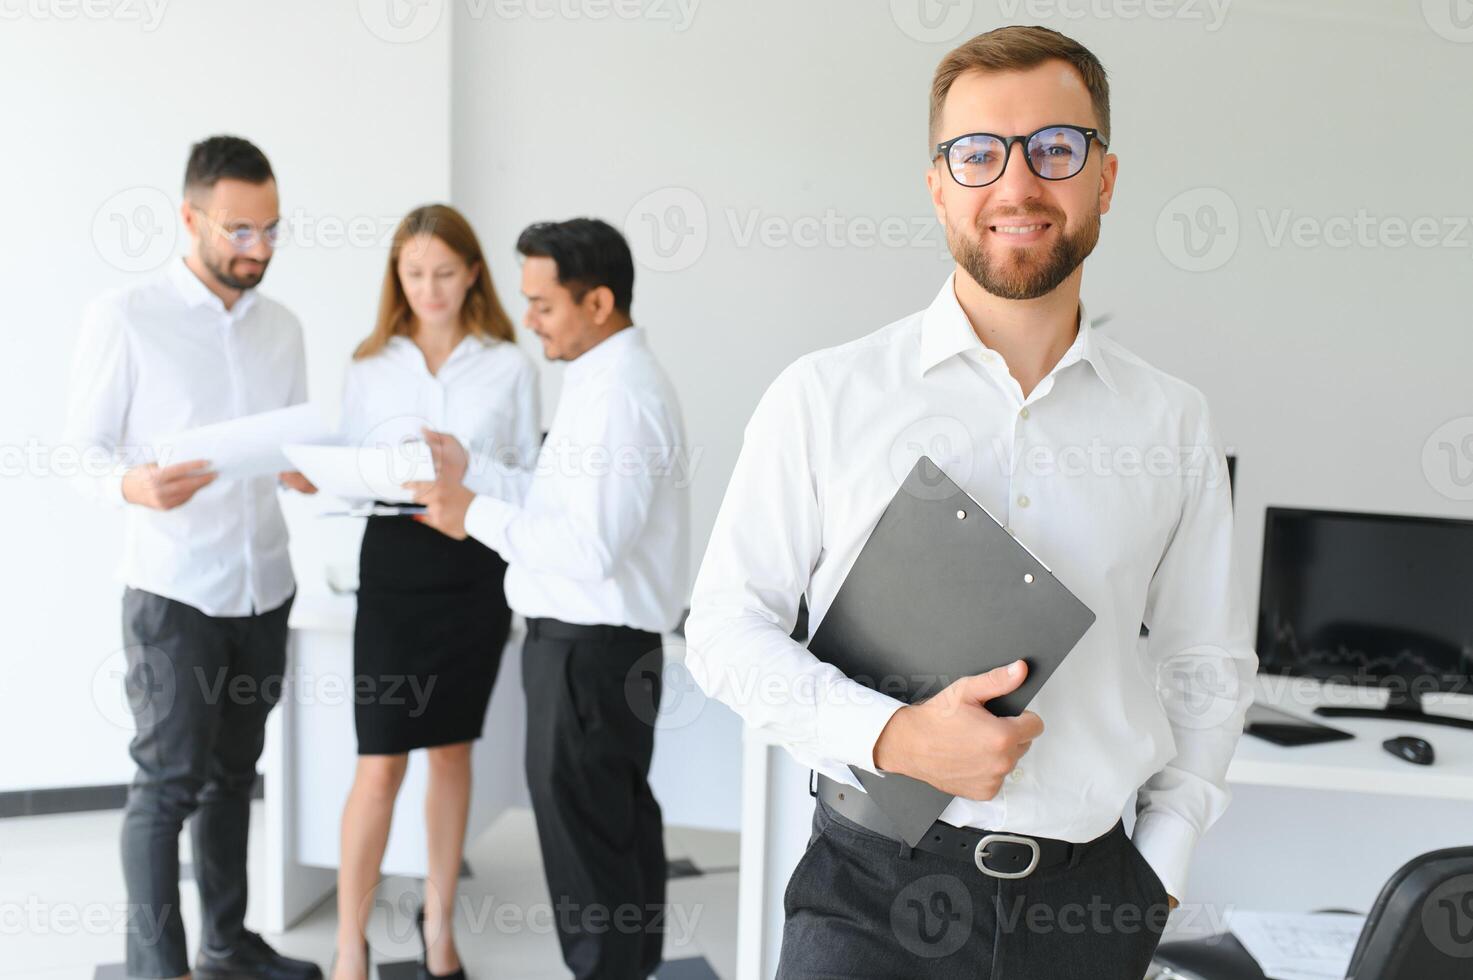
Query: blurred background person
point(208, 580)
point(432, 617)
point(599, 561)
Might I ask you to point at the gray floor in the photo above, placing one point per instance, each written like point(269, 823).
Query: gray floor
point(62, 903)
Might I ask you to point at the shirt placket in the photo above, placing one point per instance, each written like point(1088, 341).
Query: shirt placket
point(243, 487)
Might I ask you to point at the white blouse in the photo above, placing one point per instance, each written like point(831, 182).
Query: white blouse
point(485, 394)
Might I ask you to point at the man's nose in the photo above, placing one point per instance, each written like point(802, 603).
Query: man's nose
point(1018, 181)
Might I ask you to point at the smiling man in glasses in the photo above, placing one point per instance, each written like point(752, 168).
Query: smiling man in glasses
point(1108, 469)
point(208, 579)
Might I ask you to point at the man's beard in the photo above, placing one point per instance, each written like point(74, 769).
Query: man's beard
point(1013, 277)
point(220, 269)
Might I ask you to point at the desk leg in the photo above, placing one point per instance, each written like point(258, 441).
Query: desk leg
point(288, 890)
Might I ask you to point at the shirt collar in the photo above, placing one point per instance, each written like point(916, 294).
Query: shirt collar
point(404, 348)
point(605, 352)
point(946, 332)
point(196, 293)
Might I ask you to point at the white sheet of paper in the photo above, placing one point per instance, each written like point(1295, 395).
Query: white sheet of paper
point(376, 473)
point(248, 446)
point(1298, 947)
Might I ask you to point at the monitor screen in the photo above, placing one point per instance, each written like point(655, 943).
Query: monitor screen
point(1367, 598)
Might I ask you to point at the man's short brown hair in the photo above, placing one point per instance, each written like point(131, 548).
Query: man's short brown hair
point(1018, 49)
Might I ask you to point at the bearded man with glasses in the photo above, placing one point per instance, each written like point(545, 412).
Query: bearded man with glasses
point(208, 580)
point(1074, 445)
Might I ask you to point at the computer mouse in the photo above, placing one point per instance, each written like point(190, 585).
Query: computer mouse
point(1411, 748)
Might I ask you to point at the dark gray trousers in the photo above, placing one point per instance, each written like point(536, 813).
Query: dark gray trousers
point(858, 907)
point(200, 688)
point(591, 708)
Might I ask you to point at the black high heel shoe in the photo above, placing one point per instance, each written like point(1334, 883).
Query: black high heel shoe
point(424, 961)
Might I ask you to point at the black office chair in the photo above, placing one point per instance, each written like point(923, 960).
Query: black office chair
point(1421, 928)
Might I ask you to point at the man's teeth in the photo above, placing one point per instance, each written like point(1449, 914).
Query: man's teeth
point(1016, 229)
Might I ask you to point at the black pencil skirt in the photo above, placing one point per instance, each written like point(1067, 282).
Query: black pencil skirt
point(431, 625)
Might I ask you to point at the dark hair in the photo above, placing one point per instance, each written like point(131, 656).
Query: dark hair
point(1018, 48)
point(588, 252)
point(225, 158)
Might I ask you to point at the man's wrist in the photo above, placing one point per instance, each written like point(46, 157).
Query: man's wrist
point(890, 754)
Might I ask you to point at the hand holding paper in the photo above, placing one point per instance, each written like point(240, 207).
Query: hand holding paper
point(166, 487)
point(446, 498)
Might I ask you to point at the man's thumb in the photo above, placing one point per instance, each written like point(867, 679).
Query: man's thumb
point(982, 688)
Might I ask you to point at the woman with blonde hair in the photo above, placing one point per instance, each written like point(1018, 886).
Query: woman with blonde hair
point(432, 617)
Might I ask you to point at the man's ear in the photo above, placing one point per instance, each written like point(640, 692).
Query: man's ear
point(600, 304)
point(1108, 172)
point(934, 178)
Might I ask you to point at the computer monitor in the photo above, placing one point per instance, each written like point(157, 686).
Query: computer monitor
point(1372, 600)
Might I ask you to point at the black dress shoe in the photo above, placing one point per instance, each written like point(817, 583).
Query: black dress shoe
point(424, 962)
point(251, 959)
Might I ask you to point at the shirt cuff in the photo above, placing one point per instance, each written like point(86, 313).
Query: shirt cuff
point(487, 519)
point(850, 721)
point(1166, 841)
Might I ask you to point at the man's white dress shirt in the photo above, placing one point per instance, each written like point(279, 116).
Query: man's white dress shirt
point(603, 537)
point(162, 357)
point(1109, 471)
point(485, 395)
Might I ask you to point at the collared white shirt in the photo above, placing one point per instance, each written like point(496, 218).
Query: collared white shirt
point(604, 535)
point(157, 359)
point(1109, 471)
point(485, 395)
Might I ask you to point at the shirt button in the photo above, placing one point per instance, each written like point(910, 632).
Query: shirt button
point(1016, 774)
point(1022, 500)
point(1023, 412)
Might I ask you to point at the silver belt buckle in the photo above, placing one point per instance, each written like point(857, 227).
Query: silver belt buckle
point(980, 855)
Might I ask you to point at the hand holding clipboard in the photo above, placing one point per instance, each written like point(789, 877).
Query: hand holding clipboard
point(939, 593)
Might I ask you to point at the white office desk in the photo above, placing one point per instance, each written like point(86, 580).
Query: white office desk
point(1357, 765)
point(1310, 827)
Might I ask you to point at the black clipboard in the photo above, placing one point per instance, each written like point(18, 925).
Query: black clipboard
point(940, 591)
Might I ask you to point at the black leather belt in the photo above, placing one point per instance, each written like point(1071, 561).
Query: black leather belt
point(1001, 855)
point(556, 629)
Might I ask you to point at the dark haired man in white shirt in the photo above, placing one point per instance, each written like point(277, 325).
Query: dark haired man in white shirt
point(598, 563)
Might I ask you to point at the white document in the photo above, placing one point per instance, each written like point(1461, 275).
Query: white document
point(375, 473)
point(1298, 947)
point(248, 446)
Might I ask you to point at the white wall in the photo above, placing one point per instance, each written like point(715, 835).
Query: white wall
point(99, 115)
